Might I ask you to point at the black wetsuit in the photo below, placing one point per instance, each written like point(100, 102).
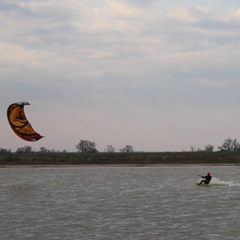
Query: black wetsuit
point(207, 180)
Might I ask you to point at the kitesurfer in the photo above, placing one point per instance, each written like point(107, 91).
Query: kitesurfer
point(207, 180)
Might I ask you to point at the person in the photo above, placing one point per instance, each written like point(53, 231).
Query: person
point(207, 179)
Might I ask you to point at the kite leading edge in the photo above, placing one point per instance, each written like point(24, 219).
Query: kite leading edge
point(19, 123)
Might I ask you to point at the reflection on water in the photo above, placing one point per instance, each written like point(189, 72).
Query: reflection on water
point(119, 203)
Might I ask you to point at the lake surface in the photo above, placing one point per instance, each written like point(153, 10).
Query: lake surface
point(119, 203)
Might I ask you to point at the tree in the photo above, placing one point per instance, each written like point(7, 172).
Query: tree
point(193, 149)
point(4, 150)
point(110, 149)
point(86, 146)
point(25, 149)
point(230, 145)
point(44, 150)
point(235, 145)
point(127, 149)
point(209, 148)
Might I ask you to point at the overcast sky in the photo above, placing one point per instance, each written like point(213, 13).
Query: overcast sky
point(156, 75)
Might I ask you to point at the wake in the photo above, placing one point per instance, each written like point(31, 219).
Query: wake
point(218, 182)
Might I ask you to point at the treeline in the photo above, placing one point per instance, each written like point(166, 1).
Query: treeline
point(135, 158)
point(86, 146)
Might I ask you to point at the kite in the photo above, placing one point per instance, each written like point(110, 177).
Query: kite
point(19, 123)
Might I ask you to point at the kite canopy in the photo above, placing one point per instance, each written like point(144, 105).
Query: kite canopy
point(19, 123)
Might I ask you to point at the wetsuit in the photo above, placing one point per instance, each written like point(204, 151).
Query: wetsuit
point(207, 180)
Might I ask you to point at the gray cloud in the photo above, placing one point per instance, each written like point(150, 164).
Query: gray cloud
point(117, 56)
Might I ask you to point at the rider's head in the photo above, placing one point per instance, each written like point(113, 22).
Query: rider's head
point(209, 174)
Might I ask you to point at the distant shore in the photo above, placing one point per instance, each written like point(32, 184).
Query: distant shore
point(139, 159)
point(111, 165)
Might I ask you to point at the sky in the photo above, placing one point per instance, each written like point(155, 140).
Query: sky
point(156, 75)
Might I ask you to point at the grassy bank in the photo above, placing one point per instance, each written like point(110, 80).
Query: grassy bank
point(120, 158)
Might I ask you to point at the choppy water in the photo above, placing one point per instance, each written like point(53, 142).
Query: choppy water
point(119, 203)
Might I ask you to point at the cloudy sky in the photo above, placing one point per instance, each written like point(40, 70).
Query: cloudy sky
point(157, 75)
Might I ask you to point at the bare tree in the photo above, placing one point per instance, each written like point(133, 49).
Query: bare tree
point(25, 149)
point(230, 145)
point(86, 146)
point(44, 150)
point(209, 148)
point(4, 150)
point(193, 149)
point(235, 145)
point(127, 149)
point(110, 149)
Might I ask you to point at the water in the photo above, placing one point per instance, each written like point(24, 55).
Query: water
point(119, 203)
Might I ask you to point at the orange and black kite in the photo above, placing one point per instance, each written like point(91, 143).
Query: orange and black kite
point(19, 123)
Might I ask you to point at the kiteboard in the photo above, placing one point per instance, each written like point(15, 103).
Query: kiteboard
point(211, 184)
point(201, 185)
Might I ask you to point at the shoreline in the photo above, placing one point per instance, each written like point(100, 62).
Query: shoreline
point(114, 165)
point(119, 159)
